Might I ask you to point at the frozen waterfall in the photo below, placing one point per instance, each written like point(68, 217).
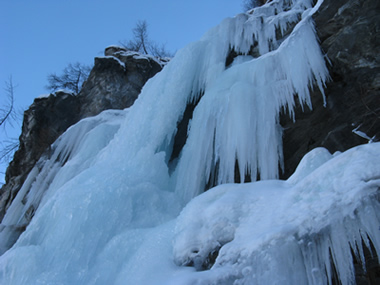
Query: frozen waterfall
point(112, 204)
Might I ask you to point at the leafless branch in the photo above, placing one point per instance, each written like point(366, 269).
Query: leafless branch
point(7, 111)
point(71, 79)
point(7, 148)
point(141, 42)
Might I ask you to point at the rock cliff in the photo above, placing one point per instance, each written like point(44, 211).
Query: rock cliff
point(45, 120)
point(114, 83)
point(116, 80)
point(349, 32)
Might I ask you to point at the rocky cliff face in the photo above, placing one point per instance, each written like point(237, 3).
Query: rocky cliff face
point(114, 83)
point(45, 120)
point(116, 80)
point(349, 32)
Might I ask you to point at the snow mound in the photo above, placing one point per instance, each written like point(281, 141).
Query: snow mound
point(277, 232)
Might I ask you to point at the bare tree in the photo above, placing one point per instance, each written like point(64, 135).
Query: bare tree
point(8, 116)
point(71, 79)
point(7, 149)
point(141, 42)
point(7, 111)
point(250, 4)
point(140, 33)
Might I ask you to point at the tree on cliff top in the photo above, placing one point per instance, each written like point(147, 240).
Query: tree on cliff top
point(71, 79)
point(141, 42)
point(8, 116)
point(7, 109)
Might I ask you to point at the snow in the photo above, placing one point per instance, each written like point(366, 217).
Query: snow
point(43, 96)
point(122, 53)
point(110, 207)
point(279, 228)
point(160, 60)
point(57, 92)
point(122, 64)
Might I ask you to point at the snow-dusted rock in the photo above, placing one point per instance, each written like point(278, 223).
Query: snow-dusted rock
point(116, 80)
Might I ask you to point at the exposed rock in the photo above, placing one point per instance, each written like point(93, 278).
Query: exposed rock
point(45, 120)
point(114, 83)
point(111, 50)
point(116, 80)
point(350, 36)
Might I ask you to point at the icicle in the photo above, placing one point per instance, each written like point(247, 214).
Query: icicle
point(237, 117)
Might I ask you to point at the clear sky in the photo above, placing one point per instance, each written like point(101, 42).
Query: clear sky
point(38, 37)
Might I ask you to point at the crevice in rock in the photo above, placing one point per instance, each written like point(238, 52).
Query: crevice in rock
point(334, 274)
point(232, 54)
point(247, 174)
point(207, 263)
point(369, 272)
point(180, 137)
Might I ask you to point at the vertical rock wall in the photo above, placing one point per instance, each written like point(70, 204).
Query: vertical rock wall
point(349, 31)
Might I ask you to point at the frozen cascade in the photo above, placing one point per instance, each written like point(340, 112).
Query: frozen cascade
point(249, 95)
point(108, 197)
point(75, 147)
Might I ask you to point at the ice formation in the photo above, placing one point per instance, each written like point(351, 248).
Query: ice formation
point(107, 199)
point(286, 232)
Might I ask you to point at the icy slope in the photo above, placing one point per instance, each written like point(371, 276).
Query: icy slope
point(267, 232)
point(71, 154)
point(106, 204)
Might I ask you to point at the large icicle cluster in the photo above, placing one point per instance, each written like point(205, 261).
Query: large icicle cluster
point(107, 198)
point(237, 119)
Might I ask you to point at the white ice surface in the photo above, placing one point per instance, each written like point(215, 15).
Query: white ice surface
point(280, 232)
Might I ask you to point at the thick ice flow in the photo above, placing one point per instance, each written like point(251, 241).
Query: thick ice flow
point(71, 154)
point(237, 118)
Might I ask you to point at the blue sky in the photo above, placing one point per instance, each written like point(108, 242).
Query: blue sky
point(38, 37)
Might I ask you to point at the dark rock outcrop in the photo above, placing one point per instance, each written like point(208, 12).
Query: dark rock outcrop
point(116, 80)
point(114, 83)
point(349, 32)
point(45, 120)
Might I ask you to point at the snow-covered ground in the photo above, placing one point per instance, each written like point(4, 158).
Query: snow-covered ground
point(281, 232)
point(112, 208)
